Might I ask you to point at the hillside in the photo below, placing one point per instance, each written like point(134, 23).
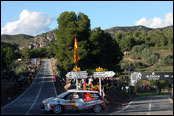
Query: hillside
point(28, 41)
point(19, 39)
point(42, 40)
point(115, 30)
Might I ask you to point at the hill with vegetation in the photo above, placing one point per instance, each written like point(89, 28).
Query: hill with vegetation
point(115, 30)
point(147, 51)
point(19, 39)
point(31, 42)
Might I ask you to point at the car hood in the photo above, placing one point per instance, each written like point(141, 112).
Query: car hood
point(49, 99)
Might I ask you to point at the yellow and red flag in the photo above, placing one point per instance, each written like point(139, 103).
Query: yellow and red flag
point(76, 57)
point(84, 86)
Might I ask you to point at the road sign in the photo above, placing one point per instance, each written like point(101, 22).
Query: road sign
point(151, 76)
point(77, 74)
point(99, 69)
point(76, 69)
point(104, 74)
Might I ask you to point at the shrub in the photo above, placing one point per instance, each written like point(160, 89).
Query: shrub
point(167, 60)
point(153, 59)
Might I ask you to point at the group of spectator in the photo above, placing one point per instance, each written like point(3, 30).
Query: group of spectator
point(17, 81)
point(91, 83)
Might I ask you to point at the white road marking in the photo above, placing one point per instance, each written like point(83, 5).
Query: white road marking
point(150, 105)
point(37, 94)
point(125, 107)
point(23, 92)
point(171, 101)
point(52, 78)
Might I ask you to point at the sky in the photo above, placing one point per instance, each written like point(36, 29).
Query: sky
point(36, 17)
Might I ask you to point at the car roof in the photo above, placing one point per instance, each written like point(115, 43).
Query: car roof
point(75, 90)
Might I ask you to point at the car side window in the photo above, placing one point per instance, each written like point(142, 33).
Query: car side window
point(69, 96)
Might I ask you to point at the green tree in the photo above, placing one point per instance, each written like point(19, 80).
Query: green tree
point(161, 84)
point(127, 43)
point(152, 59)
point(104, 51)
point(51, 51)
point(7, 55)
point(26, 53)
point(167, 60)
point(38, 53)
point(69, 26)
point(137, 51)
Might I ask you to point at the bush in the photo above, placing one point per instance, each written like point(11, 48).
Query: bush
point(136, 51)
point(167, 60)
point(146, 53)
point(132, 65)
point(126, 66)
point(138, 65)
point(153, 59)
point(21, 69)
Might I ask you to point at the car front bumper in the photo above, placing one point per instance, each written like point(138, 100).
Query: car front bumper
point(45, 107)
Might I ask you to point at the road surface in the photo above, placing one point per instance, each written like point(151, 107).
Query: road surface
point(42, 87)
point(149, 105)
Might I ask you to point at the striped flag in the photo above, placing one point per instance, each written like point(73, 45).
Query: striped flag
point(76, 57)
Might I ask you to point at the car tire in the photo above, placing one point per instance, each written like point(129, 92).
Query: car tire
point(57, 109)
point(97, 108)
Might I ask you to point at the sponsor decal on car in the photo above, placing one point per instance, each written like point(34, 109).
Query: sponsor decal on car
point(67, 102)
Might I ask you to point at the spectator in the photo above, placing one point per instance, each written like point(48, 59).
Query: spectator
point(90, 82)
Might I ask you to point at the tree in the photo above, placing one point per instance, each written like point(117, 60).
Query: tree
point(137, 51)
point(152, 59)
point(38, 53)
point(127, 43)
point(167, 60)
point(69, 26)
point(161, 84)
point(7, 56)
point(51, 51)
point(104, 51)
point(26, 53)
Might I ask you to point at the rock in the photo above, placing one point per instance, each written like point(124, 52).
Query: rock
point(40, 41)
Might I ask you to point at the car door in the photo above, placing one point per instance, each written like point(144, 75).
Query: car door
point(69, 102)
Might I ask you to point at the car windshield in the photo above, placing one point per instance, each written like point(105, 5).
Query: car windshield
point(62, 94)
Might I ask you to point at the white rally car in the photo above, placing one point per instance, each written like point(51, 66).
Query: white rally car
point(74, 100)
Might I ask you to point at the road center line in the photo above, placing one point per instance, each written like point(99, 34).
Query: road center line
point(38, 93)
point(150, 105)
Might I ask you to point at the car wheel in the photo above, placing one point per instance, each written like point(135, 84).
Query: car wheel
point(57, 109)
point(97, 108)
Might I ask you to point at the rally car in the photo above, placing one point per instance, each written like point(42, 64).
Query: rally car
point(74, 100)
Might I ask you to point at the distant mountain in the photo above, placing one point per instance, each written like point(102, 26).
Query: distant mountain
point(115, 30)
point(27, 41)
point(19, 39)
point(43, 40)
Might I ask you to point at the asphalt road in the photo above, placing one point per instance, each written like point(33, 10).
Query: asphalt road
point(150, 105)
point(42, 87)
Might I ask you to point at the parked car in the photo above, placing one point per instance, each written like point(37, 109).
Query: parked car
point(74, 100)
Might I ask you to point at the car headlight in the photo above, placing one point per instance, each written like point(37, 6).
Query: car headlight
point(43, 101)
point(47, 105)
